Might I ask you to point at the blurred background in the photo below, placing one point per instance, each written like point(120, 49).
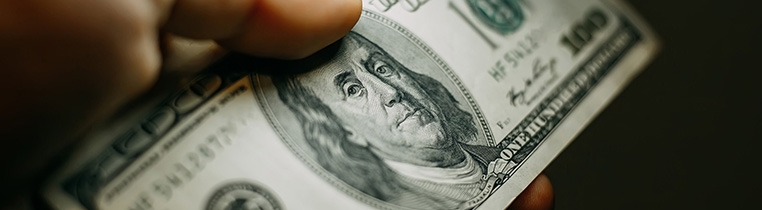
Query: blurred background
point(687, 132)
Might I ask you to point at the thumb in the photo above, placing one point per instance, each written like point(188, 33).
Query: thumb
point(269, 28)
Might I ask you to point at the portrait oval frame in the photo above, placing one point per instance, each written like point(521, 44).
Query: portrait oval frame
point(280, 118)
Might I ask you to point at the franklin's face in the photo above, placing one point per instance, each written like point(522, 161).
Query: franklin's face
point(377, 101)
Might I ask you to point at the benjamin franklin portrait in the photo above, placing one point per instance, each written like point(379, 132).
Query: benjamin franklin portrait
point(386, 130)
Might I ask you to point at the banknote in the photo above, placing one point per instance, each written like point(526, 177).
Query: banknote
point(446, 104)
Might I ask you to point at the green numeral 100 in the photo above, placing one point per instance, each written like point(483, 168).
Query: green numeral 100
point(584, 31)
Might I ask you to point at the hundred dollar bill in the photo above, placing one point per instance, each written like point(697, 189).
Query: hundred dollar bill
point(446, 104)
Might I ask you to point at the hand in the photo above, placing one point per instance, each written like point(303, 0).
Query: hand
point(537, 196)
point(69, 64)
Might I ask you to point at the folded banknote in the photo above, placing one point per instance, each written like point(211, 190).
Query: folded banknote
point(426, 104)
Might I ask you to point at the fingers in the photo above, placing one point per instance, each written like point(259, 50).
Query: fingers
point(209, 19)
point(270, 28)
point(537, 196)
point(69, 65)
point(66, 66)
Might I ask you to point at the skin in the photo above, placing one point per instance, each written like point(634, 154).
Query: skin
point(537, 196)
point(71, 64)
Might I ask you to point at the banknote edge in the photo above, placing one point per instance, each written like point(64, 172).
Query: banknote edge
point(597, 100)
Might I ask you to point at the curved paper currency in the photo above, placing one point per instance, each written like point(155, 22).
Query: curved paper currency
point(431, 105)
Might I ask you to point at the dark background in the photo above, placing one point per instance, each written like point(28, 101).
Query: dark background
point(687, 132)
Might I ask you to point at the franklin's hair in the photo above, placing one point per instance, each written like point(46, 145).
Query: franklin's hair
point(354, 164)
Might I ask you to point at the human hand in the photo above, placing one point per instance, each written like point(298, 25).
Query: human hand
point(68, 65)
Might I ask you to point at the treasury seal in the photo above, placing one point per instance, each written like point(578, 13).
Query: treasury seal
point(503, 16)
point(242, 196)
